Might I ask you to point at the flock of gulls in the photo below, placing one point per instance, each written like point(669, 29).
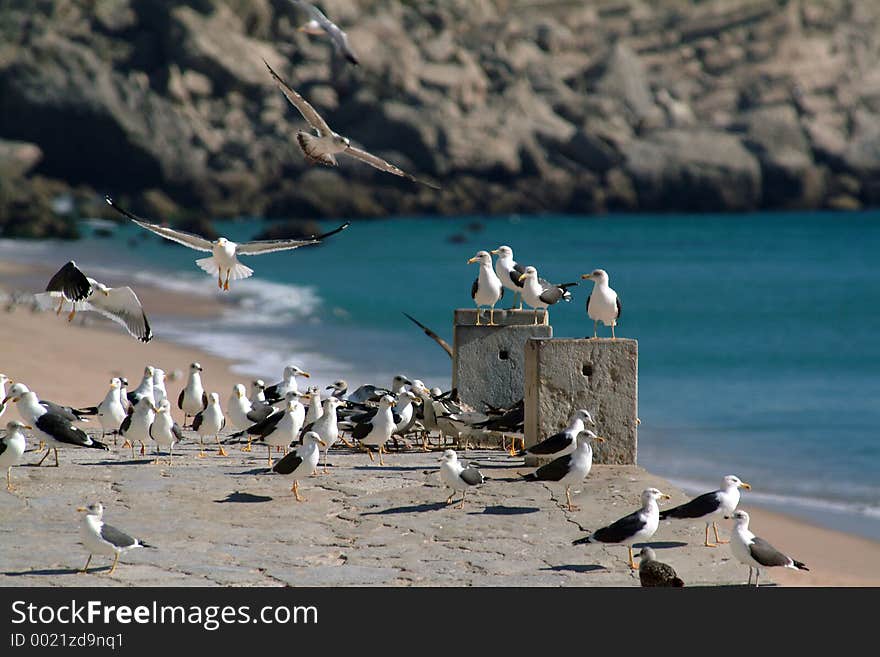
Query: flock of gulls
point(303, 424)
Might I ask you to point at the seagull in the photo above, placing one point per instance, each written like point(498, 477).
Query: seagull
point(315, 410)
point(754, 551)
point(327, 426)
point(100, 538)
point(165, 431)
point(110, 411)
point(240, 410)
point(458, 477)
point(279, 429)
point(376, 431)
point(302, 462)
point(319, 24)
point(639, 525)
point(405, 411)
point(278, 391)
point(542, 295)
point(487, 289)
point(159, 391)
point(123, 394)
point(224, 252)
point(119, 304)
point(564, 442)
point(210, 422)
point(718, 503)
point(431, 334)
point(49, 426)
point(656, 573)
point(509, 272)
point(12, 447)
point(570, 469)
point(339, 388)
point(136, 425)
point(145, 388)
point(323, 147)
point(192, 399)
point(67, 412)
point(603, 304)
point(369, 392)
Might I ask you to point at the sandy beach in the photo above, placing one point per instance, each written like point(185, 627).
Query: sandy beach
point(76, 362)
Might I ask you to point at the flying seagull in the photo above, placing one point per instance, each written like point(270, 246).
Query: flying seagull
point(319, 24)
point(656, 573)
point(120, 304)
point(457, 476)
point(639, 525)
point(323, 147)
point(709, 506)
point(431, 334)
point(224, 252)
point(754, 551)
point(603, 304)
point(100, 538)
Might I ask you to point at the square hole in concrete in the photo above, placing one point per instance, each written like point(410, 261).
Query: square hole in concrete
point(587, 369)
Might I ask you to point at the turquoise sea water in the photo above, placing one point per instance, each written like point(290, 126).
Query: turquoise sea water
point(757, 333)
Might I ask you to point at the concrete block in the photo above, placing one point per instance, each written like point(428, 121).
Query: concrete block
point(602, 376)
point(488, 362)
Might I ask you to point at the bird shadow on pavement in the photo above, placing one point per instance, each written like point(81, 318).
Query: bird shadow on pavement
point(264, 470)
point(500, 510)
point(130, 462)
point(415, 508)
point(390, 468)
point(52, 571)
point(576, 568)
point(243, 498)
point(660, 545)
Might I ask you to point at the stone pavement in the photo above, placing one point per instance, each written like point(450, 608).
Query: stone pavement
point(230, 522)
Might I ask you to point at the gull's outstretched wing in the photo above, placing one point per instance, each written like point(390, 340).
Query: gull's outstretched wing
point(381, 164)
point(179, 236)
point(308, 112)
point(122, 306)
point(268, 246)
point(71, 282)
point(431, 334)
point(339, 38)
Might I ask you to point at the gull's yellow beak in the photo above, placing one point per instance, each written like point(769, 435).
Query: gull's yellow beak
point(106, 293)
point(473, 260)
point(495, 252)
point(322, 443)
point(583, 276)
point(600, 439)
point(664, 496)
point(743, 484)
point(81, 508)
point(28, 427)
point(305, 374)
point(522, 278)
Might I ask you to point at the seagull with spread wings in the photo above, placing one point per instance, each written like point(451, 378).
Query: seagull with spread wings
point(318, 24)
point(224, 252)
point(326, 144)
point(121, 304)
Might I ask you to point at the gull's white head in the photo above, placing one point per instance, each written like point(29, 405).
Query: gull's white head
point(584, 416)
point(585, 436)
point(292, 370)
point(16, 392)
point(214, 398)
point(341, 141)
point(732, 481)
point(115, 383)
point(148, 372)
point(340, 385)
point(100, 287)
point(222, 241)
point(312, 438)
point(195, 367)
point(400, 380)
point(164, 406)
point(386, 401)
point(449, 456)
point(123, 381)
point(331, 403)
point(647, 554)
point(409, 395)
point(597, 276)
point(95, 509)
point(530, 272)
point(503, 252)
point(14, 425)
point(653, 495)
point(741, 519)
point(238, 390)
point(483, 258)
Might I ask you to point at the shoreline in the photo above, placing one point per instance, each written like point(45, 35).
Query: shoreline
point(104, 350)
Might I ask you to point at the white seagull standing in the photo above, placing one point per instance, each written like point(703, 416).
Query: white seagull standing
point(710, 506)
point(509, 271)
point(12, 447)
point(100, 538)
point(302, 462)
point(539, 294)
point(754, 551)
point(145, 388)
point(210, 422)
point(564, 442)
point(120, 304)
point(639, 525)
point(458, 477)
point(319, 24)
point(192, 399)
point(603, 304)
point(224, 252)
point(377, 430)
point(327, 426)
point(165, 431)
point(136, 425)
point(487, 289)
point(570, 469)
point(278, 391)
point(110, 411)
point(323, 147)
point(280, 428)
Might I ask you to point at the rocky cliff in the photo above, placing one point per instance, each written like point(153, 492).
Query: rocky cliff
point(511, 105)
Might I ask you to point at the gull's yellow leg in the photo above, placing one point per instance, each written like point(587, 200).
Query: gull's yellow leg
point(381, 450)
point(72, 314)
point(632, 564)
point(477, 323)
point(45, 456)
point(449, 499)
point(296, 494)
point(219, 279)
point(226, 284)
point(460, 505)
point(9, 479)
point(113, 567)
point(707, 543)
point(247, 448)
point(220, 450)
point(715, 527)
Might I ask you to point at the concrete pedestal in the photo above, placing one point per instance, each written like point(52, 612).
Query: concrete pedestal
point(601, 376)
point(488, 362)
